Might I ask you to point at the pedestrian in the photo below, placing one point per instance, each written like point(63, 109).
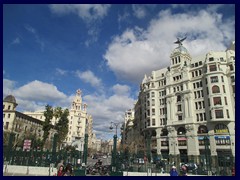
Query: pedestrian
point(173, 171)
point(60, 164)
point(184, 169)
point(60, 171)
point(68, 170)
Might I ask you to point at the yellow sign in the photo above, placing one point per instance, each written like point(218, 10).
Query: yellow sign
point(221, 131)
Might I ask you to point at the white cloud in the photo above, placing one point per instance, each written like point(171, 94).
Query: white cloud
point(37, 90)
point(34, 96)
point(87, 12)
point(137, 52)
point(36, 36)
point(61, 71)
point(106, 109)
point(139, 11)
point(16, 41)
point(8, 87)
point(121, 89)
point(89, 77)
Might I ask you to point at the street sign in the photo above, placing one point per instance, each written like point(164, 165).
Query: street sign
point(27, 144)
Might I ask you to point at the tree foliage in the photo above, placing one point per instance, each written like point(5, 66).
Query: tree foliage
point(62, 124)
point(48, 113)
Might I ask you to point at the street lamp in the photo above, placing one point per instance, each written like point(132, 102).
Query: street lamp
point(207, 153)
point(114, 145)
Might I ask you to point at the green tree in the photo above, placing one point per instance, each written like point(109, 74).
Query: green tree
point(48, 113)
point(62, 124)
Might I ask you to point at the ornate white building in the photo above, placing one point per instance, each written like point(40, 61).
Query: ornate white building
point(191, 99)
point(80, 122)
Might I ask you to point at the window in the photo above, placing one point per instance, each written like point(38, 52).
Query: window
point(232, 78)
point(9, 115)
point(211, 59)
point(153, 122)
point(178, 98)
point(233, 87)
point(196, 73)
point(219, 114)
point(212, 68)
point(148, 122)
point(225, 99)
point(179, 117)
point(200, 63)
point(152, 94)
point(196, 105)
point(153, 102)
point(7, 124)
point(224, 89)
point(9, 107)
point(231, 67)
point(153, 112)
point(222, 78)
point(227, 113)
point(192, 74)
point(179, 108)
point(215, 89)
point(217, 101)
point(214, 79)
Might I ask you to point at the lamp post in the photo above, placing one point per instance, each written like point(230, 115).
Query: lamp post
point(114, 152)
point(207, 153)
point(174, 144)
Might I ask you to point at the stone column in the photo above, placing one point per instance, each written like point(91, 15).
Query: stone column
point(186, 107)
point(158, 136)
point(192, 142)
point(169, 110)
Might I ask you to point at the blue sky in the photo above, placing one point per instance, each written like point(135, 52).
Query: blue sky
point(50, 51)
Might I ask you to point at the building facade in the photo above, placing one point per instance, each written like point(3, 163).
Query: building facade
point(193, 99)
point(23, 126)
point(80, 122)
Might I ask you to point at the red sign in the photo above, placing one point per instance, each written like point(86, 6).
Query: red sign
point(27, 144)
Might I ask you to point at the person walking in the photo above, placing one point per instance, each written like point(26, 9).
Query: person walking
point(173, 171)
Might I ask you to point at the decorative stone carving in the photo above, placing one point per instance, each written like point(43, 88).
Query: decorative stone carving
point(189, 127)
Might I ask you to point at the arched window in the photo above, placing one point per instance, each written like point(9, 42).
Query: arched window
point(154, 133)
point(178, 98)
point(215, 89)
point(164, 132)
point(181, 131)
point(221, 129)
point(202, 129)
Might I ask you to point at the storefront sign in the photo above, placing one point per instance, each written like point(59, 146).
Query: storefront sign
point(182, 138)
point(221, 137)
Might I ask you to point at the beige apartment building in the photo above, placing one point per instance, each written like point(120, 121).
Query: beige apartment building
point(22, 125)
point(180, 105)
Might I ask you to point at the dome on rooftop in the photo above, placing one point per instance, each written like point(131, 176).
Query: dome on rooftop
point(10, 98)
point(180, 49)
